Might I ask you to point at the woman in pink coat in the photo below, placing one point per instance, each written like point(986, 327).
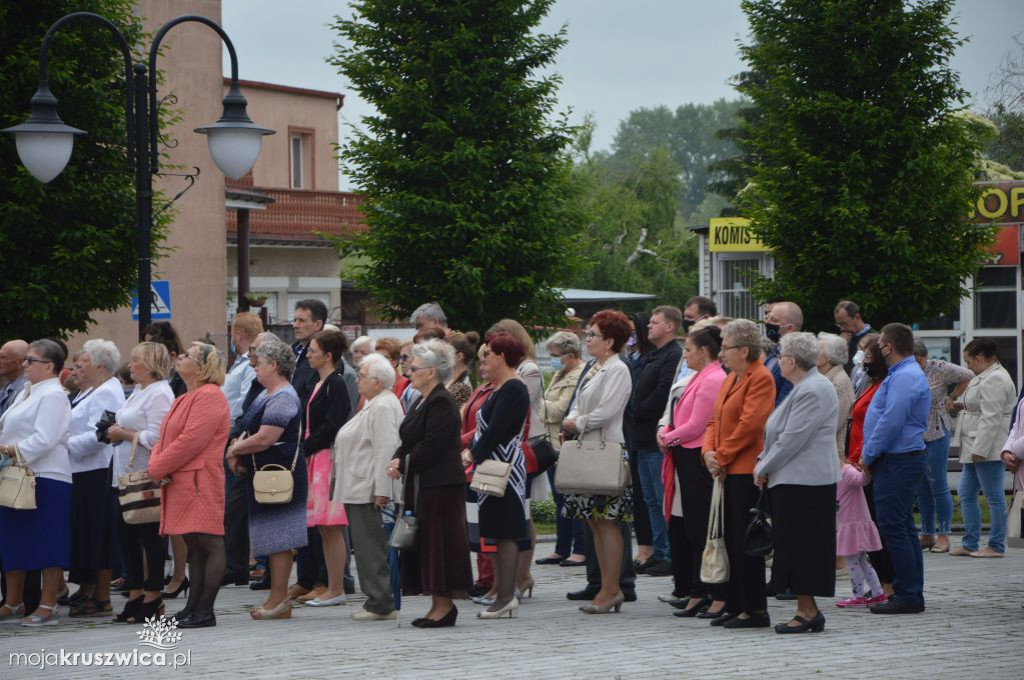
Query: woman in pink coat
point(190, 455)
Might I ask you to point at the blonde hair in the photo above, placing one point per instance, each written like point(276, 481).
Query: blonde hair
point(154, 358)
point(248, 324)
point(212, 364)
point(516, 330)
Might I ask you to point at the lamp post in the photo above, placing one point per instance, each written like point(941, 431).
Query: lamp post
point(45, 143)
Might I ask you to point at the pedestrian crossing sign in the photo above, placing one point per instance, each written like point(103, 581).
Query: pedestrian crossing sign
point(161, 293)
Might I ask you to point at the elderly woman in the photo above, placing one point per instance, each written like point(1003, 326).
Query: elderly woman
point(986, 408)
point(138, 429)
point(434, 488)
point(564, 350)
point(361, 347)
point(362, 451)
point(271, 437)
point(832, 351)
point(933, 497)
point(800, 465)
point(732, 442)
point(35, 429)
point(94, 504)
point(597, 415)
point(189, 454)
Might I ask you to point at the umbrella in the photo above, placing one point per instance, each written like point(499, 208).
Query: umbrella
point(388, 516)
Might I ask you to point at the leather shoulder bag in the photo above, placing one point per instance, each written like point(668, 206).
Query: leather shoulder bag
point(491, 477)
point(273, 484)
point(760, 537)
point(404, 533)
point(138, 495)
point(592, 467)
point(18, 484)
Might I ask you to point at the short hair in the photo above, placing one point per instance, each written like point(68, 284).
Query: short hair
point(434, 333)
point(103, 354)
point(900, 337)
point(316, 308)
point(332, 342)
point(744, 333)
point(671, 314)
point(704, 305)
point(248, 324)
point(363, 340)
point(164, 333)
point(50, 351)
point(213, 366)
point(266, 336)
point(851, 308)
point(280, 354)
point(508, 346)
point(516, 330)
point(436, 354)
point(707, 336)
point(613, 324)
point(983, 347)
point(803, 347)
point(835, 349)
point(565, 342)
point(154, 359)
point(379, 368)
point(464, 344)
point(392, 347)
point(921, 349)
point(429, 310)
point(790, 311)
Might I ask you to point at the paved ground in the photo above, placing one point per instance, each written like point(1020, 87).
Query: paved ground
point(972, 629)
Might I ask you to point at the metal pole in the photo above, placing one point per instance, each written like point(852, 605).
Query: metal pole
point(143, 197)
point(243, 259)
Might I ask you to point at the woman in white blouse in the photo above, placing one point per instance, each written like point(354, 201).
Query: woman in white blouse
point(35, 428)
point(141, 416)
point(94, 505)
point(362, 450)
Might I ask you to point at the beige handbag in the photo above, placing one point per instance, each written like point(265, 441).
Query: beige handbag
point(138, 494)
point(18, 484)
point(273, 484)
point(714, 565)
point(592, 467)
point(491, 478)
point(1014, 538)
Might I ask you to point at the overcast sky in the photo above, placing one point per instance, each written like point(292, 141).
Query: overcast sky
point(620, 56)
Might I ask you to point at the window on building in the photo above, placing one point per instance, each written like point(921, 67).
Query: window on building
point(301, 159)
point(295, 297)
point(995, 297)
point(735, 276)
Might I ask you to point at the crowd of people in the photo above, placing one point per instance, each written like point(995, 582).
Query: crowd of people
point(303, 456)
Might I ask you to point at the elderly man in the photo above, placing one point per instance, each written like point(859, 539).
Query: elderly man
point(429, 315)
point(12, 354)
point(783, 318)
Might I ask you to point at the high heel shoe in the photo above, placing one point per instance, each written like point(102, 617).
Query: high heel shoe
point(150, 610)
point(701, 606)
point(511, 608)
point(281, 611)
point(615, 604)
point(183, 588)
point(527, 589)
point(131, 611)
point(445, 621)
point(815, 624)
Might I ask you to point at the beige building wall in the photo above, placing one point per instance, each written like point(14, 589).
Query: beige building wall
point(191, 62)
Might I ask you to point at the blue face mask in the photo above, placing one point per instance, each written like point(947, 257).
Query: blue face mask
point(556, 363)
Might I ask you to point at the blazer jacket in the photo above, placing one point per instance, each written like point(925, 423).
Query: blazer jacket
point(328, 411)
point(431, 441)
point(601, 402)
point(988, 407)
point(736, 430)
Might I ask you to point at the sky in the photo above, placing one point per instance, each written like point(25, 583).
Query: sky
point(620, 55)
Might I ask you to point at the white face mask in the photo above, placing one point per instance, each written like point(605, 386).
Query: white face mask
point(858, 358)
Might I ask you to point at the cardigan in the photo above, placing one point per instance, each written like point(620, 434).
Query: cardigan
point(328, 410)
point(144, 413)
point(88, 453)
point(191, 452)
point(431, 446)
point(362, 449)
point(988, 407)
point(736, 429)
point(37, 422)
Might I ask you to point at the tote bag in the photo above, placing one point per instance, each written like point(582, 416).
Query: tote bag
point(714, 565)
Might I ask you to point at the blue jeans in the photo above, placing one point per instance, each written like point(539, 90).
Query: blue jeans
point(648, 464)
point(896, 478)
point(933, 497)
point(987, 477)
point(569, 533)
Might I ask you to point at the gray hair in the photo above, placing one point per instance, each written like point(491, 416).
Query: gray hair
point(103, 354)
point(834, 348)
point(920, 349)
point(50, 351)
point(370, 343)
point(430, 310)
point(266, 336)
point(803, 347)
point(565, 342)
point(281, 354)
point(743, 333)
point(436, 354)
point(379, 368)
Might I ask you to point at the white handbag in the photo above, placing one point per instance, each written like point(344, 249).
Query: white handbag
point(592, 467)
point(18, 484)
point(714, 565)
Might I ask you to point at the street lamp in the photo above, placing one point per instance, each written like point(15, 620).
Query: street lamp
point(45, 143)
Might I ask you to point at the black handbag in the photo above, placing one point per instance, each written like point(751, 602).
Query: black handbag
point(103, 424)
point(760, 537)
point(545, 453)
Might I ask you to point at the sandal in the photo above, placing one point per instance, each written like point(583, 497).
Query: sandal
point(91, 607)
point(281, 611)
point(35, 620)
point(17, 613)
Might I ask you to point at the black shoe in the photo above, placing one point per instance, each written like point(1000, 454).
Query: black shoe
point(645, 565)
point(234, 580)
point(130, 612)
point(629, 595)
point(701, 606)
point(585, 594)
point(200, 621)
point(754, 621)
point(183, 588)
point(681, 602)
point(720, 618)
point(550, 560)
point(349, 589)
point(659, 568)
point(572, 563)
point(894, 606)
point(785, 597)
point(150, 610)
point(73, 600)
point(182, 615)
point(815, 625)
point(478, 590)
point(418, 622)
point(446, 621)
point(262, 584)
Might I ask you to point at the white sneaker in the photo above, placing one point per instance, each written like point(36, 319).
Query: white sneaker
point(669, 597)
point(364, 615)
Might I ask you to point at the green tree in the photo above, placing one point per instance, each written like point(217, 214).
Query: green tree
point(1007, 146)
point(67, 247)
point(864, 176)
point(464, 161)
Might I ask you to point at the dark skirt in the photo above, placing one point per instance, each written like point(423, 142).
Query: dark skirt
point(40, 538)
point(503, 517)
point(94, 513)
point(440, 564)
point(804, 520)
point(745, 591)
point(277, 527)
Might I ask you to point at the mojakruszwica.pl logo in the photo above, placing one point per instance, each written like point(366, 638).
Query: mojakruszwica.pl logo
point(160, 634)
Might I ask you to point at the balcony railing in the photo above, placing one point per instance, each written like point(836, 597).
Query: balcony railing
point(301, 214)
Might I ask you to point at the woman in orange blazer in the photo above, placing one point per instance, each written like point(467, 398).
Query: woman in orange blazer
point(732, 442)
point(190, 454)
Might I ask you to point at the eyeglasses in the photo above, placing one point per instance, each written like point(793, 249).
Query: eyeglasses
point(731, 346)
point(403, 357)
point(413, 369)
point(33, 360)
point(590, 335)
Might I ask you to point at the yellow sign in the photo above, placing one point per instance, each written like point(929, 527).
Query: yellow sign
point(733, 235)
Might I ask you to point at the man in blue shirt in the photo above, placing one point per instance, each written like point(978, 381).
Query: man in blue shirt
point(894, 451)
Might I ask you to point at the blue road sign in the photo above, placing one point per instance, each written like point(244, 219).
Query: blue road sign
point(161, 292)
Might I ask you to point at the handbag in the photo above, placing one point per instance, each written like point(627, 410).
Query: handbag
point(273, 484)
point(544, 452)
point(18, 484)
point(491, 478)
point(592, 467)
point(759, 540)
point(404, 534)
point(138, 495)
point(103, 424)
point(1014, 537)
point(714, 564)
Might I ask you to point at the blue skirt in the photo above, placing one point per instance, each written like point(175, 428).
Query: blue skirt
point(40, 538)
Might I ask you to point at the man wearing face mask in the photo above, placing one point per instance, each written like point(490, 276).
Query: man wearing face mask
point(852, 328)
point(784, 317)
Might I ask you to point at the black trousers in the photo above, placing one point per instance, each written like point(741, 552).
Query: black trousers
point(627, 577)
point(236, 527)
point(136, 540)
point(880, 559)
point(694, 482)
point(745, 591)
point(641, 518)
